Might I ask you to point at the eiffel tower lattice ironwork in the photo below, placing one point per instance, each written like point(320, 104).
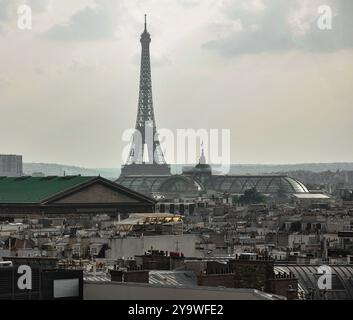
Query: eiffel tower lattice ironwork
point(146, 155)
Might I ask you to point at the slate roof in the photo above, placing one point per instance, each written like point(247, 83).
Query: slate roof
point(156, 277)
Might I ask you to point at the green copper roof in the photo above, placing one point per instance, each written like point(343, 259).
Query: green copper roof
point(35, 190)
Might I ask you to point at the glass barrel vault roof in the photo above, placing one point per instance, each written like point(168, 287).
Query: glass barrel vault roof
point(230, 184)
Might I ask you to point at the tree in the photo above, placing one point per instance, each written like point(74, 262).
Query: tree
point(281, 192)
point(252, 196)
point(235, 199)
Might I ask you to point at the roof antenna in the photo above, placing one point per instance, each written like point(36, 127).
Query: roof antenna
point(145, 22)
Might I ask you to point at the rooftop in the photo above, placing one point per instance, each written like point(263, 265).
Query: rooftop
point(311, 196)
point(34, 190)
point(308, 275)
point(233, 184)
point(40, 190)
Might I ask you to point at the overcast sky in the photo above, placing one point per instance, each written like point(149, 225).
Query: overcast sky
point(261, 68)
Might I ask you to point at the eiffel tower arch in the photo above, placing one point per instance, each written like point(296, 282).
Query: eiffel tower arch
point(146, 156)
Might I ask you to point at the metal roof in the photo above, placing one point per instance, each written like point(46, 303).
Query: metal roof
point(311, 196)
point(36, 189)
point(342, 280)
point(39, 190)
point(220, 183)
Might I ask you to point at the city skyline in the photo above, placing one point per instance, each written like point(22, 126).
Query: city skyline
point(70, 87)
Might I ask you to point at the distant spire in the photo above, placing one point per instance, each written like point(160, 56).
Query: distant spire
point(145, 22)
point(202, 158)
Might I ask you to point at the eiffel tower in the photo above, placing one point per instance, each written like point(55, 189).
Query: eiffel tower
point(146, 156)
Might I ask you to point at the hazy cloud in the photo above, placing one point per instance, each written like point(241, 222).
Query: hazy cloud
point(96, 22)
point(39, 5)
point(188, 3)
point(8, 11)
point(9, 7)
point(277, 25)
point(4, 82)
point(4, 9)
